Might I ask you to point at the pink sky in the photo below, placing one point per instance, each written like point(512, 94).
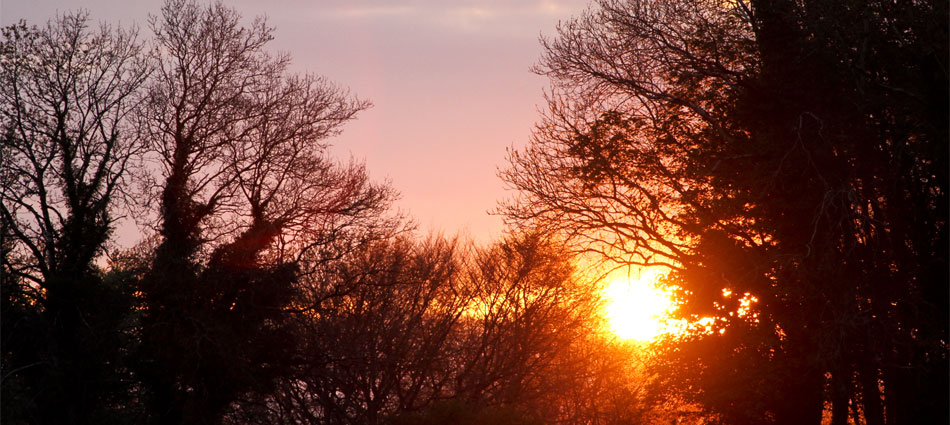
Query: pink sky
point(450, 82)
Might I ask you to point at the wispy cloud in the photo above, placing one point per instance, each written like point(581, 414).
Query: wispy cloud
point(478, 15)
point(370, 11)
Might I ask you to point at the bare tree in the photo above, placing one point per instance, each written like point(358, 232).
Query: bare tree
point(425, 328)
point(67, 144)
point(248, 192)
point(377, 345)
point(67, 152)
point(519, 344)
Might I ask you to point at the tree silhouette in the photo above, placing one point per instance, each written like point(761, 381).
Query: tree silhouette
point(244, 168)
point(785, 160)
point(420, 331)
point(774, 151)
point(66, 155)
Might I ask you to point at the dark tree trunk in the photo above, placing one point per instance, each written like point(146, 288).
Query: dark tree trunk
point(871, 395)
point(840, 396)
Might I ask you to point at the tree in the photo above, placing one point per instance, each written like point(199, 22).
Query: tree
point(533, 341)
point(67, 153)
point(531, 308)
point(770, 151)
point(376, 337)
point(410, 331)
point(245, 175)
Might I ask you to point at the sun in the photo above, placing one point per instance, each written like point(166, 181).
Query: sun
point(636, 308)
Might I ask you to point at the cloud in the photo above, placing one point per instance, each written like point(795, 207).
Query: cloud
point(372, 11)
point(476, 15)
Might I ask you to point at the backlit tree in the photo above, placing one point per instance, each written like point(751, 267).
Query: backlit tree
point(244, 176)
point(67, 153)
point(772, 155)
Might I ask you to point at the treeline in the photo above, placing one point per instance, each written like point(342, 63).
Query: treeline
point(276, 285)
point(787, 161)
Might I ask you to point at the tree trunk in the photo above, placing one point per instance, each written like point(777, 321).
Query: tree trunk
point(871, 394)
point(840, 396)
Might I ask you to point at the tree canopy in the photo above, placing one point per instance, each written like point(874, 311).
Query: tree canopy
point(783, 162)
point(792, 154)
point(273, 284)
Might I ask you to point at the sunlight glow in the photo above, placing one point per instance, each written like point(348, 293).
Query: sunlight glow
point(636, 308)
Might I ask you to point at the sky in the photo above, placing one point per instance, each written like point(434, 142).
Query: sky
point(450, 82)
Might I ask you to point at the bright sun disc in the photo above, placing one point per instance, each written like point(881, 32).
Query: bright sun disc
point(636, 309)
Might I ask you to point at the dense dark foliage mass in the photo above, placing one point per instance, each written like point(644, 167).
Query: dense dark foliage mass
point(787, 161)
